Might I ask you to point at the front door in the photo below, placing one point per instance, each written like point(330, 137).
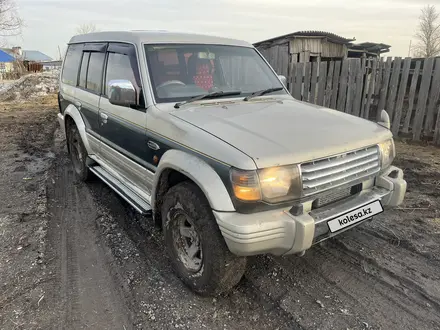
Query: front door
point(122, 129)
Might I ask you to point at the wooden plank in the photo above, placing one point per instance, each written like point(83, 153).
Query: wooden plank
point(412, 93)
point(335, 84)
point(371, 85)
point(328, 85)
point(377, 86)
point(392, 88)
point(433, 99)
point(321, 82)
point(423, 95)
point(289, 69)
point(384, 87)
point(292, 76)
point(359, 88)
point(343, 86)
point(307, 77)
point(298, 82)
point(275, 50)
point(400, 96)
point(353, 67)
point(312, 97)
point(437, 129)
point(284, 59)
point(270, 53)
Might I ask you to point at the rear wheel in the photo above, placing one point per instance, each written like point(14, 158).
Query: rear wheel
point(78, 153)
point(194, 243)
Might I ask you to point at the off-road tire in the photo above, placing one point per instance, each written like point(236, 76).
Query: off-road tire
point(78, 153)
point(220, 269)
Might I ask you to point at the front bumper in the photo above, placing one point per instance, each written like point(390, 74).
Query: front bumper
point(279, 232)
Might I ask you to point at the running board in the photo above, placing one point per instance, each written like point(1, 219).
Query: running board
point(138, 203)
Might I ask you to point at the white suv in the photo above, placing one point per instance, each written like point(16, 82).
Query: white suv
point(202, 133)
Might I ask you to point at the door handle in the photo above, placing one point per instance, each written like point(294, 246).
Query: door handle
point(153, 145)
point(104, 117)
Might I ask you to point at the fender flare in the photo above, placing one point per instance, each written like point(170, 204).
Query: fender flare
point(73, 112)
point(199, 172)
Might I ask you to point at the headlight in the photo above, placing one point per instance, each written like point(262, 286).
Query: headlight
point(273, 185)
point(387, 153)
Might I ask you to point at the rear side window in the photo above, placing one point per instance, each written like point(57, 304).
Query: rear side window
point(119, 67)
point(71, 64)
point(94, 72)
point(83, 73)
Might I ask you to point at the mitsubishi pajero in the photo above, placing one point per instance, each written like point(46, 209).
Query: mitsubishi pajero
point(200, 132)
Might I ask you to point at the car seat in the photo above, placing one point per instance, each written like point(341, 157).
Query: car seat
point(200, 72)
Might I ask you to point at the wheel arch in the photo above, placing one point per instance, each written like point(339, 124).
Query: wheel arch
point(176, 166)
point(72, 114)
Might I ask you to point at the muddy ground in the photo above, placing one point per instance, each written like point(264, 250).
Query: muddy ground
point(75, 256)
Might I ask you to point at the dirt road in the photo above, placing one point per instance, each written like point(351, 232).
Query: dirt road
point(75, 256)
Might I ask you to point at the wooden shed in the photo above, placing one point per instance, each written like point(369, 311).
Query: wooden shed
point(303, 46)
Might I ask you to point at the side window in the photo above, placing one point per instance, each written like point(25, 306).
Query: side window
point(94, 72)
point(71, 64)
point(83, 72)
point(118, 67)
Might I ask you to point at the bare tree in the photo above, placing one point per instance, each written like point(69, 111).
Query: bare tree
point(86, 28)
point(428, 33)
point(10, 21)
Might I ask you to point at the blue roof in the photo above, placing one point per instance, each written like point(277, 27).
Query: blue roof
point(35, 56)
point(5, 57)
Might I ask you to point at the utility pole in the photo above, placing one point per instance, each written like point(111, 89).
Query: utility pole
point(59, 52)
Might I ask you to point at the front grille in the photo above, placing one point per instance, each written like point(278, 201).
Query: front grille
point(324, 174)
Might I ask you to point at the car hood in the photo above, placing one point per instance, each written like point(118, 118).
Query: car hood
point(280, 132)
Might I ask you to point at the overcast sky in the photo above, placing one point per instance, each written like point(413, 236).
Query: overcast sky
point(50, 23)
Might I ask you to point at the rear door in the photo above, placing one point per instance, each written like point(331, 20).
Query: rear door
point(89, 88)
point(122, 129)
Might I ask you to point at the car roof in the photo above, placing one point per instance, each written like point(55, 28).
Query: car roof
point(155, 37)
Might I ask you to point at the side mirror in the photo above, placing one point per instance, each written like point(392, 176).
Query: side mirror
point(384, 119)
point(283, 80)
point(121, 92)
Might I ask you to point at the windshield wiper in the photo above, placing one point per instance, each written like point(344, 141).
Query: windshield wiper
point(207, 96)
point(262, 92)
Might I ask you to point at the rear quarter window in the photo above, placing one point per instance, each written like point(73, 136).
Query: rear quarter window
point(71, 64)
point(83, 72)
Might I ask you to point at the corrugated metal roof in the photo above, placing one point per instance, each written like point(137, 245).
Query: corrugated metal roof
point(35, 56)
point(8, 51)
point(331, 36)
point(371, 47)
point(5, 57)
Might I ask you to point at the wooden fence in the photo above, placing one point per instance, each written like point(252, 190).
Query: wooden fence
point(408, 89)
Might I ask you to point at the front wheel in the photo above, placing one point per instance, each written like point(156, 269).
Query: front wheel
point(198, 252)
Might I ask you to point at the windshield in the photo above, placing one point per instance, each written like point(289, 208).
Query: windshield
point(181, 71)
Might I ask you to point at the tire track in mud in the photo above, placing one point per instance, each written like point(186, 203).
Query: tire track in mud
point(88, 298)
point(349, 290)
point(404, 269)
